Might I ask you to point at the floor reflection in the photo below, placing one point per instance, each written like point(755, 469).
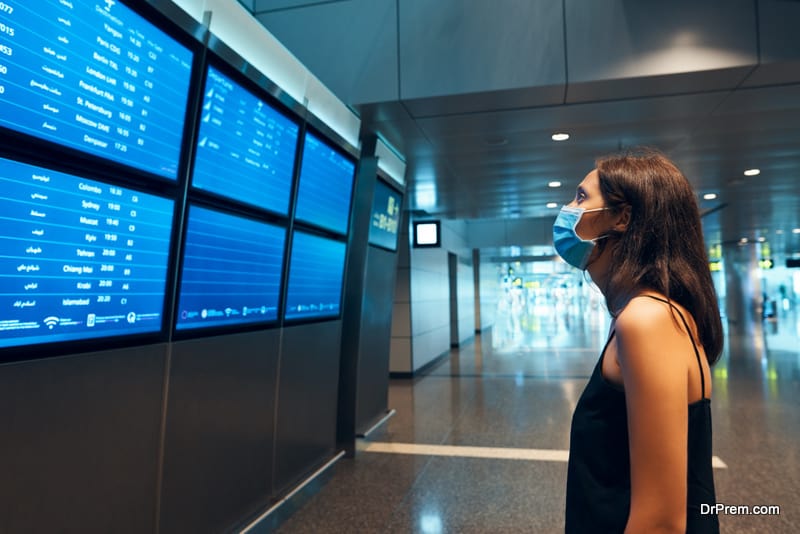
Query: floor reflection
point(515, 386)
point(782, 331)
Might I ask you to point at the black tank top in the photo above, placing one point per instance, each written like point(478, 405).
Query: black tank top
point(599, 478)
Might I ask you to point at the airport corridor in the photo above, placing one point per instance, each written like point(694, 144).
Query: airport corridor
point(479, 444)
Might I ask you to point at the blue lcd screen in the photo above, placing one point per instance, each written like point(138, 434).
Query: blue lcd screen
point(80, 259)
point(245, 148)
point(385, 217)
point(316, 270)
point(96, 77)
point(326, 186)
point(231, 270)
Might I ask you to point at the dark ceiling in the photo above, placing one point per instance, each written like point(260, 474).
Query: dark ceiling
point(470, 92)
point(498, 164)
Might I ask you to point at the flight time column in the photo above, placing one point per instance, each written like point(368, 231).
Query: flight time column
point(7, 33)
point(128, 98)
point(130, 246)
point(7, 30)
point(154, 86)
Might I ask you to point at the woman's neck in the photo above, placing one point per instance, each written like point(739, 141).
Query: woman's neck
point(599, 271)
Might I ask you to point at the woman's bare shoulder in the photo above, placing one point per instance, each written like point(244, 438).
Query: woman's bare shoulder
point(643, 314)
point(650, 326)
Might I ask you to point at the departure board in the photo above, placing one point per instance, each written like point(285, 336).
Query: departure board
point(95, 76)
point(385, 217)
point(245, 148)
point(316, 271)
point(79, 259)
point(231, 270)
point(326, 186)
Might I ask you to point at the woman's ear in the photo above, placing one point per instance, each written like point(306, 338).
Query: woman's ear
point(623, 219)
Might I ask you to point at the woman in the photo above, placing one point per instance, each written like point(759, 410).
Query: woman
point(640, 444)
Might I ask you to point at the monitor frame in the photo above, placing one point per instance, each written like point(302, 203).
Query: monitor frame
point(259, 90)
point(184, 31)
point(437, 224)
point(48, 349)
point(331, 144)
point(292, 321)
point(177, 334)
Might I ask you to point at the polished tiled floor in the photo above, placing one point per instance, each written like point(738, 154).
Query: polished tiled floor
point(516, 387)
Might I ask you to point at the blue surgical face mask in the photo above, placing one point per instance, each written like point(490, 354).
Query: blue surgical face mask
point(569, 245)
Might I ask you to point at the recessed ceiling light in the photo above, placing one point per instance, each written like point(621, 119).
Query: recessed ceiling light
point(743, 240)
point(762, 239)
point(752, 172)
point(560, 136)
point(552, 205)
point(796, 231)
point(710, 196)
point(554, 183)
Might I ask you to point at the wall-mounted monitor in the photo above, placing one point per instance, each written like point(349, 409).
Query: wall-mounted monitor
point(245, 147)
point(384, 219)
point(81, 259)
point(427, 234)
point(94, 76)
point(316, 271)
point(231, 270)
point(326, 186)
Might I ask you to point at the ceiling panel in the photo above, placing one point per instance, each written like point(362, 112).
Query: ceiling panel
point(498, 164)
point(716, 87)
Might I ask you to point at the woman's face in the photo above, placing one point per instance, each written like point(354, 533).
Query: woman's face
point(587, 196)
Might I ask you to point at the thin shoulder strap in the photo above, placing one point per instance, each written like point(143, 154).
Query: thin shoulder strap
point(688, 331)
point(608, 342)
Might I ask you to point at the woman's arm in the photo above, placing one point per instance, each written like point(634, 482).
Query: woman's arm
point(651, 351)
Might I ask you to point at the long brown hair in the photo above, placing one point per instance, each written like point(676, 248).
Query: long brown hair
point(662, 248)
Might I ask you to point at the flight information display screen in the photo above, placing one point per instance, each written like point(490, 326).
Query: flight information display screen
point(326, 186)
point(231, 270)
point(81, 259)
point(384, 220)
point(316, 270)
point(95, 76)
point(245, 148)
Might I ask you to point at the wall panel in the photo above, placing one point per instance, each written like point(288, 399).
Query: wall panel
point(218, 445)
point(400, 343)
point(428, 346)
point(305, 431)
point(80, 442)
point(376, 330)
point(466, 300)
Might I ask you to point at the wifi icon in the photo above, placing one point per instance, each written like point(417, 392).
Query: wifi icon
point(51, 321)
